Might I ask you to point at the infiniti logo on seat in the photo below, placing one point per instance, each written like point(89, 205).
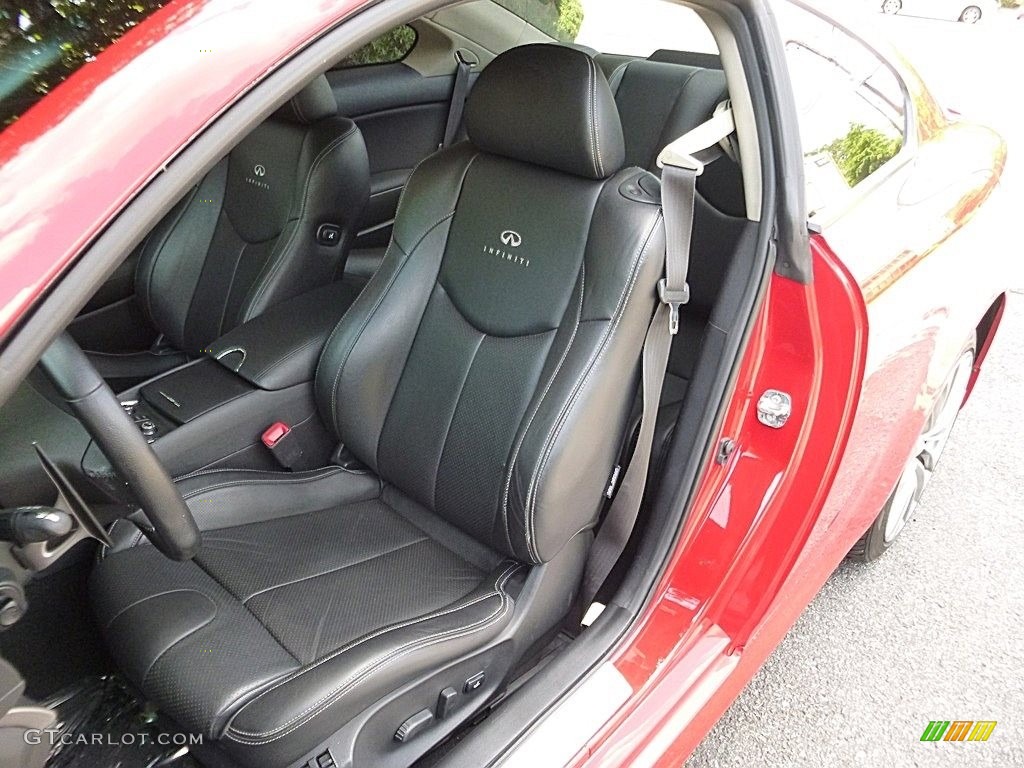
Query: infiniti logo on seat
point(511, 239)
point(259, 171)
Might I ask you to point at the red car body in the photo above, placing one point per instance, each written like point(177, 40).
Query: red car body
point(861, 350)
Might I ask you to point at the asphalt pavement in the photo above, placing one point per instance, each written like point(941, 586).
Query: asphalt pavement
point(934, 630)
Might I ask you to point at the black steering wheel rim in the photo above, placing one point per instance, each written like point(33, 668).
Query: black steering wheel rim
point(173, 529)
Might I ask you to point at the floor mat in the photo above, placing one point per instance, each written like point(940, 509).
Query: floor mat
point(102, 724)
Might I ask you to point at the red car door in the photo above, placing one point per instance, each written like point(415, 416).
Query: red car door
point(861, 351)
point(893, 215)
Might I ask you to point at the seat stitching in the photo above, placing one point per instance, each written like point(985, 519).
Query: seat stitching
point(380, 299)
point(227, 294)
point(458, 400)
point(581, 382)
point(284, 729)
point(131, 605)
point(536, 410)
point(181, 639)
point(499, 590)
point(248, 610)
point(373, 311)
point(163, 243)
point(592, 68)
point(124, 355)
point(351, 307)
point(395, 243)
point(274, 364)
point(265, 282)
point(592, 364)
point(269, 481)
point(556, 427)
point(199, 472)
point(353, 681)
point(590, 117)
point(330, 571)
point(433, 615)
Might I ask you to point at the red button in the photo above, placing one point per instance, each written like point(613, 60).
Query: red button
point(274, 433)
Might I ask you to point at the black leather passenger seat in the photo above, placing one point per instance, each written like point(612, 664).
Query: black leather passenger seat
point(272, 220)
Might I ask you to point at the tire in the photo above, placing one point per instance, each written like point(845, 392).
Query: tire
point(902, 502)
point(891, 7)
point(971, 15)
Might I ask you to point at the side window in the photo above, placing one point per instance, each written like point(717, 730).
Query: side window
point(391, 47)
point(851, 112)
point(559, 19)
point(42, 43)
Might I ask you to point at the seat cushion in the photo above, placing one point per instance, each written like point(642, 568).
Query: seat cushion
point(302, 611)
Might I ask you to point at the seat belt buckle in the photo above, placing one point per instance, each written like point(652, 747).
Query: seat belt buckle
point(673, 299)
point(283, 445)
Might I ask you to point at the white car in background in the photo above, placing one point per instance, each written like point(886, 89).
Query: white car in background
point(967, 11)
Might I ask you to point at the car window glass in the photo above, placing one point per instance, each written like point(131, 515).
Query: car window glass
point(638, 28)
point(559, 19)
point(850, 108)
point(42, 43)
point(393, 46)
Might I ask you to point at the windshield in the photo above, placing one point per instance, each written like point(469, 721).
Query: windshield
point(43, 41)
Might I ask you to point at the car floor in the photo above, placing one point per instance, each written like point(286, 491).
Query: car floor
point(132, 733)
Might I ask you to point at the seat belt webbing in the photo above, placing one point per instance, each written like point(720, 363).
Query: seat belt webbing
point(459, 92)
point(678, 188)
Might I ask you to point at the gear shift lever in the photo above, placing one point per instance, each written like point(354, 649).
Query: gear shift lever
point(34, 525)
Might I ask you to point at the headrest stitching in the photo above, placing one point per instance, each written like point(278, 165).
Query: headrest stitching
point(591, 127)
point(593, 114)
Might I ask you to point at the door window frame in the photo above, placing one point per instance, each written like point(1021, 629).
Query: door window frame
point(911, 139)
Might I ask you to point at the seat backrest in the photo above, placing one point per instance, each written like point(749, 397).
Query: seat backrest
point(658, 102)
point(246, 238)
point(488, 368)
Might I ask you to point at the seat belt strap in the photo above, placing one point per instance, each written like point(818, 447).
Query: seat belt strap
point(678, 187)
point(459, 92)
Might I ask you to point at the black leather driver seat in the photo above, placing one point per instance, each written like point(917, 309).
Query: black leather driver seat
point(246, 237)
point(483, 379)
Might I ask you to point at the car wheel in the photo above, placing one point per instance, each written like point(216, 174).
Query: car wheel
point(902, 502)
point(891, 6)
point(971, 15)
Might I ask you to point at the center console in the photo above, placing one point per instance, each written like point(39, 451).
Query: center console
point(211, 413)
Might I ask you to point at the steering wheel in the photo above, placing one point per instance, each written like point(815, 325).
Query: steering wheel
point(173, 530)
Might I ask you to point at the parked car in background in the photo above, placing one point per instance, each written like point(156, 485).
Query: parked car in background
point(967, 11)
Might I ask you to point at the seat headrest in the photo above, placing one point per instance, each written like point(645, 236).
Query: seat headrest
point(313, 103)
point(549, 105)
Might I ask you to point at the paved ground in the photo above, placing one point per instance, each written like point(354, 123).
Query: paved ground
point(935, 629)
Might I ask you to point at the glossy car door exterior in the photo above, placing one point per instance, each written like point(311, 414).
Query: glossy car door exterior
point(898, 231)
point(862, 351)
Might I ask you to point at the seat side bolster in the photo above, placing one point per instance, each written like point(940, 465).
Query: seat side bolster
point(336, 688)
point(569, 451)
point(366, 352)
point(230, 497)
point(173, 255)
